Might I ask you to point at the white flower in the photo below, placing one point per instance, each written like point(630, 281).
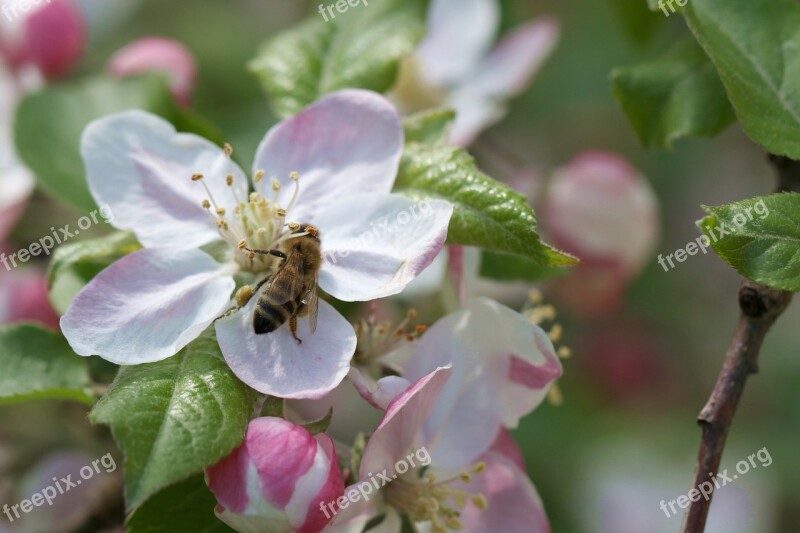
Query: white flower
point(146, 307)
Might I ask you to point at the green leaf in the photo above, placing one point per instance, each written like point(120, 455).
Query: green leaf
point(431, 127)
point(185, 507)
point(672, 97)
point(51, 146)
point(75, 264)
point(637, 19)
point(505, 267)
point(51, 149)
point(755, 46)
point(361, 48)
point(487, 213)
point(321, 425)
point(763, 243)
point(175, 417)
point(39, 364)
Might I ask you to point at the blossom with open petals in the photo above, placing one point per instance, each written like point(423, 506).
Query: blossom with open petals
point(458, 490)
point(456, 66)
point(276, 480)
point(332, 165)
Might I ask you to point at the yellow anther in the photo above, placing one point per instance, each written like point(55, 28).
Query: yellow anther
point(294, 175)
point(479, 467)
point(465, 476)
point(281, 212)
point(228, 149)
point(293, 226)
point(259, 176)
point(535, 296)
point(555, 333)
point(197, 177)
point(242, 244)
point(276, 185)
point(229, 180)
point(412, 314)
point(206, 204)
point(221, 211)
point(564, 352)
point(480, 501)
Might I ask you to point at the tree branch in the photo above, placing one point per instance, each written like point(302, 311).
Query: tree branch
point(760, 307)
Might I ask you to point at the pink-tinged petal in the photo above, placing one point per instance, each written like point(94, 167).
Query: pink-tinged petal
point(465, 26)
point(24, 298)
point(612, 204)
point(380, 393)
point(502, 368)
point(505, 445)
point(157, 54)
point(276, 364)
point(401, 430)
point(138, 165)
point(55, 36)
point(514, 505)
point(16, 186)
point(348, 142)
point(376, 244)
point(480, 99)
point(277, 479)
point(513, 63)
point(148, 305)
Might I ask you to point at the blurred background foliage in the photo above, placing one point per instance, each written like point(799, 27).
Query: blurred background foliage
point(624, 435)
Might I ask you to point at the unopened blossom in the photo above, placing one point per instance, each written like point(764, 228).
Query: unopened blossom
point(24, 298)
point(602, 210)
point(157, 54)
point(332, 165)
point(457, 491)
point(48, 37)
point(276, 480)
point(458, 65)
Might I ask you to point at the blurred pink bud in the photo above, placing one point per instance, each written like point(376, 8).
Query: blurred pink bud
point(156, 54)
point(49, 35)
point(279, 479)
point(602, 210)
point(24, 298)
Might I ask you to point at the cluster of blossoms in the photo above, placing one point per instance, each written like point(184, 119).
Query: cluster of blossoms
point(453, 389)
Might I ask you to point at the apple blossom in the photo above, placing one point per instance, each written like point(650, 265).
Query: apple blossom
point(602, 210)
point(335, 163)
point(156, 54)
point(459, 490)
point(24, 298)
point(277, 479)
point(477, 80)
point(47, 36)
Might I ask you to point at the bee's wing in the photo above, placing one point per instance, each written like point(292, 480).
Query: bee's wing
point(287, 283)
point(312, 302)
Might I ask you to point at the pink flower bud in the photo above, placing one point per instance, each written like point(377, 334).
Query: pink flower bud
point(50, 35)
point(24, 297)
point(602, 210)
point(279, 479)
point(155, 54)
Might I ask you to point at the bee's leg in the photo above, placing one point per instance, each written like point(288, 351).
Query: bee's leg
point(240, 304)
point(276, 253)
point(293, 328)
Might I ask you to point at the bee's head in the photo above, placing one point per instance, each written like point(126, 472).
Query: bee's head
point(307, 228)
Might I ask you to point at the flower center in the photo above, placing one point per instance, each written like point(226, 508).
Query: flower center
point(376, 339)
point(413, 92)
point(255, 223)
point(434, 501)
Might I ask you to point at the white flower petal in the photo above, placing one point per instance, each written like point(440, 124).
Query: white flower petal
point(379, 394)
point(460, 33)
point(141, 168)
point(502, 368)
point(276, 364)
point(348, 142)
point(375, 245)
point(148, 305)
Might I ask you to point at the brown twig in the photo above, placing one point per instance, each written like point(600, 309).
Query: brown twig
point(760, 307)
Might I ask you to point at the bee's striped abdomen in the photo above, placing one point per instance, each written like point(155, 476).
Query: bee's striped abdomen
point(268, 317)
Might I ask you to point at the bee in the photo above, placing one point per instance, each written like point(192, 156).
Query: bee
point(292, 290)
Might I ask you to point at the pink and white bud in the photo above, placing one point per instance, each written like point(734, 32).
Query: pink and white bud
point(278, 480)
point(156, 54)
point(602, 210)
point(24, 296)
point(49, 35)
